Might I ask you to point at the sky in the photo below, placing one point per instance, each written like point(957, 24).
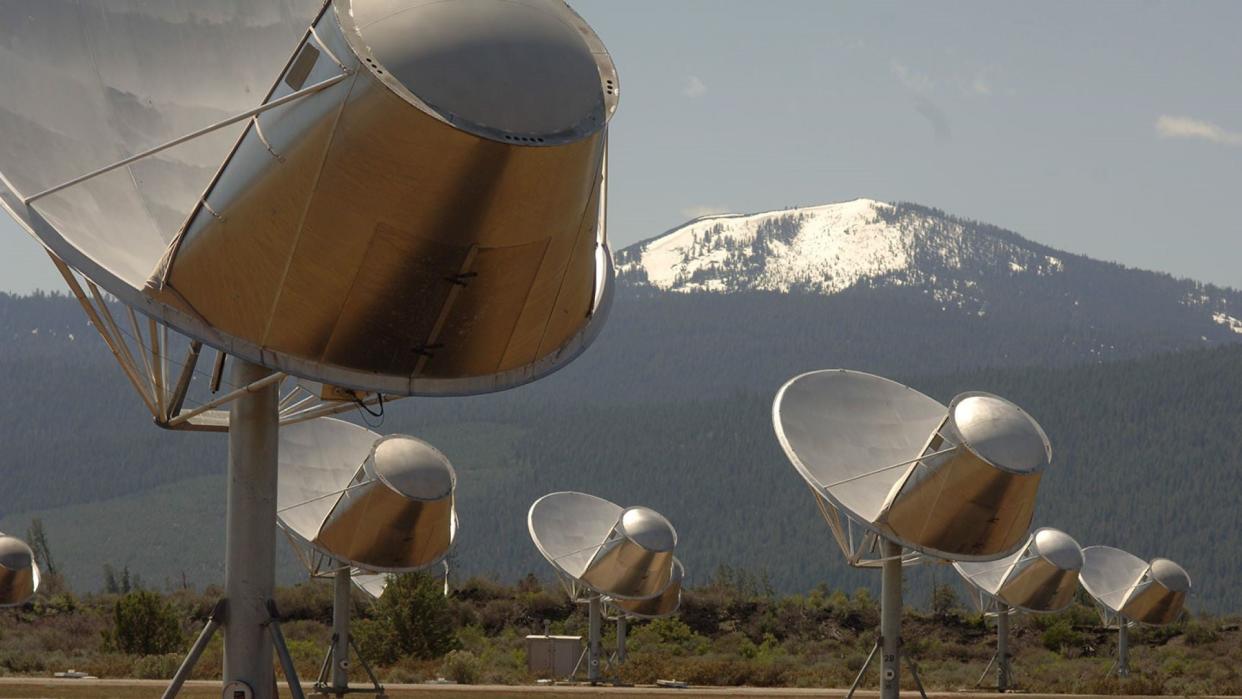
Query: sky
point(1110, 129)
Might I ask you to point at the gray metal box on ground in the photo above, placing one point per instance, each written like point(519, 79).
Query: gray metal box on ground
point(553, 656)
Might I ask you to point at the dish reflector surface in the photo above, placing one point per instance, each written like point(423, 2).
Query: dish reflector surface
point(83, 85)
point(842, 428)
point(373, 584)
point(620, 553)
point(19, 574)
point(955, 482)
point(1040, 577)
point(416, 205)
point(378, 503)
point(1129, 587)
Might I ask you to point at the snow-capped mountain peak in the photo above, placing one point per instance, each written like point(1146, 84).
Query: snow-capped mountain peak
point(827, 249)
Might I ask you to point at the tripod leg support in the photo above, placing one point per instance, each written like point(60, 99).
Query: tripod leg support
point(196, 651)
point(862, 670)
point(282, 651)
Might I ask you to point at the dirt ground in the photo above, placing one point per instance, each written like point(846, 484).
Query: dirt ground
point(34, 688)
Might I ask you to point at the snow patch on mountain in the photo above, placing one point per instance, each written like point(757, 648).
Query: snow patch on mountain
point(1228, 321)
point(827, 249)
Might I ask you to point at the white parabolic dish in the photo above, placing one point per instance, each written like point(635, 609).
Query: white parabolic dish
point(1042, 576)
point(956, 482)
point(1135, 590)
point(620, 553)
point(408, 197)
point(381, 504)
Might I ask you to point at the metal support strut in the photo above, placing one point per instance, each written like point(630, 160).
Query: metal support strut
point(622, 630)
point(1003, 676)
point(890, 622)
point(336, 663)
point(187, 665)
point(1001, 658)
point(340, 631)
point(282, 652)
point(889, 643)
point(1123, 649)
point(250, 537)
point(595, 608)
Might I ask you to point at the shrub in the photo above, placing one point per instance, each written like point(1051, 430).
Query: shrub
point(944, 602)
point(861, 613)
point(669, 635)
point(462, 667)
point(411, 618)
point(543, 605)
point(701, 612)
point(1201, 632)
point(1060, 637)
point(376, 642)
point(156, 667)
point(144, 624)
point(646, 668)
point(495, 616)
point(109, 665)
point(307, 600)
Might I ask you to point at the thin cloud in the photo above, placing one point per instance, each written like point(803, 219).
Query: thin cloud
point(1191, 128)
point(694, 88)
point(703, 210)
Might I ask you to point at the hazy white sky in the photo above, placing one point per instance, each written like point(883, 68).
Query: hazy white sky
point(1112, 129)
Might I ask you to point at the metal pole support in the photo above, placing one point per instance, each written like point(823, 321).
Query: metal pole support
point(1002, 649)
point(622, 630)
point(890, 623)
point(595, 611)
point(1123, 649)
point(340, 631)
point(250, 537)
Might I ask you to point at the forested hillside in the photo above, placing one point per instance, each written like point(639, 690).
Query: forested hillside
point(1146, 452)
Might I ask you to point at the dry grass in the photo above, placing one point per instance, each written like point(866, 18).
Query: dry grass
point(29, 688)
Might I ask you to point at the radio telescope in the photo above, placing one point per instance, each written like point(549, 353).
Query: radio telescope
point(604, 552)
point(349, 499)
point(1042, 576)
point(1128, 590)
point(380, 198)
point(893, 469)
point(19, 574)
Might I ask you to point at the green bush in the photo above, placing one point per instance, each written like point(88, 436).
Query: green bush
point(462, 667)
point(1201, 632)
point(1061, 636)
point(412, 618)
point(144, 624)
point(944, 601)
point(157, 667)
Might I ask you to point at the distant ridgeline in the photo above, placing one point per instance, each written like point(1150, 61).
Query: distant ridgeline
point(1136, 376)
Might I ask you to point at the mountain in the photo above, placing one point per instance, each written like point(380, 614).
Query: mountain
point(1135, 375)
point(890, 288)
point(961, 264)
